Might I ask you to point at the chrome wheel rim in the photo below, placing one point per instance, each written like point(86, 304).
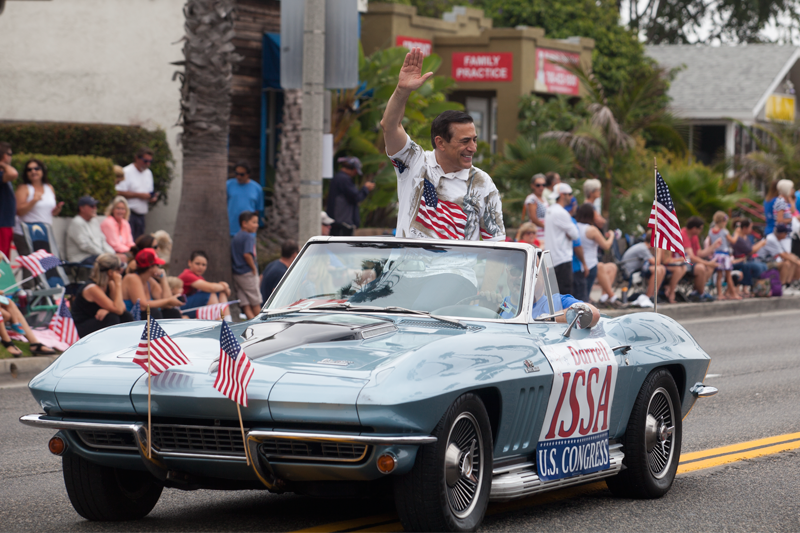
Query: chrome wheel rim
point(659, 433)
point(463, 465)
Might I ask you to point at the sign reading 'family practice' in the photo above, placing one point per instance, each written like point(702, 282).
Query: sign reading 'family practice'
point(473, 66)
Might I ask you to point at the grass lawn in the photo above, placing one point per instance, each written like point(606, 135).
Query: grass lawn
point(24, 346)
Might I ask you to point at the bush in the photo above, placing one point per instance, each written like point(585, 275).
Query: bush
point(73, 176)
point(117, 143)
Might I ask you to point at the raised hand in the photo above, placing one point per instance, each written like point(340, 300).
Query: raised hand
point(411, 77)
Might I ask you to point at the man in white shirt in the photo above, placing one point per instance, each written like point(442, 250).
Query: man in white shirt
point(138, 188)
point(85, 239)
point(559, 232)
point(774, 254)
point(441, 194)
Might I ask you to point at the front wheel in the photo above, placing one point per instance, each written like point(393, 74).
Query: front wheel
point(108, 494)
point(448, 487)
point(652, 441)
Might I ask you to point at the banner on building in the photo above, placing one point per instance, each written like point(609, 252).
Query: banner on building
point(780, 108)
point(552, 78)
point(482, 66)
point(414, 42)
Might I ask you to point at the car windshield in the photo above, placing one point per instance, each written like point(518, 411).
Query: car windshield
point(457, 281)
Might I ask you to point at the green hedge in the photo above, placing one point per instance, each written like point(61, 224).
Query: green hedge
point(117, 143)
point(73, 176)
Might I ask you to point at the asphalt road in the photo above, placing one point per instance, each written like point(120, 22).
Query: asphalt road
point(755, 366)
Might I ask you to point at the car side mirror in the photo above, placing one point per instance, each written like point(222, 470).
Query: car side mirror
point(580, 315)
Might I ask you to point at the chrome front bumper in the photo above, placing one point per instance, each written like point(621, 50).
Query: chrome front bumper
point(254, 438)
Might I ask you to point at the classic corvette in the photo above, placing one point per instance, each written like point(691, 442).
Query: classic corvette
point(447, 372)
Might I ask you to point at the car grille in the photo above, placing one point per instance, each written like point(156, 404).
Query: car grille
point(198, 439)
point(312, 450)
point(118, 440)
point(436, 325)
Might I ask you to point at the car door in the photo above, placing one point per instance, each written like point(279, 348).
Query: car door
point(573, 436)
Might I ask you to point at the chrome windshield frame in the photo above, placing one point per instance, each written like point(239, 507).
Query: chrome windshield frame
point(531, 271)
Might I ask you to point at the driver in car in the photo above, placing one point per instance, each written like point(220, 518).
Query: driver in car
point(510, 304)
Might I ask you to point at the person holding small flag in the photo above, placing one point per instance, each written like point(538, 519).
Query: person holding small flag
point(136, 285)
point(665, 233)
point(98, 304)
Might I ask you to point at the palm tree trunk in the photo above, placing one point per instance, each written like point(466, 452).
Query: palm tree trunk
point(284, 222)
point(608, 184)
point(205, 112)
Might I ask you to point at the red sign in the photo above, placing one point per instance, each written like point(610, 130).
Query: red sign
point(475, 66)
point(414, 42)
point(551, 78)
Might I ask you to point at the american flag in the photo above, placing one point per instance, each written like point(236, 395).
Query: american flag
point(136, 311)
point(235, 369)
point(668, 229)
point(39, 262)
point(446, 219)
point(63, 325)
point(164, 353)
point(211, 312)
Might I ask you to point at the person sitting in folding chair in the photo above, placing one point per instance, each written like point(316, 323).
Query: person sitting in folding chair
point(16, 322)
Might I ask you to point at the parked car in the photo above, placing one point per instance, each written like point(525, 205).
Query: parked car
point(448, 372)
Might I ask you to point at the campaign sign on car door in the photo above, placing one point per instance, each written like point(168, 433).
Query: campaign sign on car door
point(574, 438)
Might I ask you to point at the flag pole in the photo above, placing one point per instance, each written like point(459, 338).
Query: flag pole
point(149, 374)
point(241, 426)
point(655, 237)
point(18, 284)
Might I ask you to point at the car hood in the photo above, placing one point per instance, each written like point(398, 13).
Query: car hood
point(301, 360)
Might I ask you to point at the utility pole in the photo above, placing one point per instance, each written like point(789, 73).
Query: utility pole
point(312, 119)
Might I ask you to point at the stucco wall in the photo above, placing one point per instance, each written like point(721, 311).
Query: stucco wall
point(101, 61)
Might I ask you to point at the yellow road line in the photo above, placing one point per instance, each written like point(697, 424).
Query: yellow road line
point(690, 462)
point(739, 447)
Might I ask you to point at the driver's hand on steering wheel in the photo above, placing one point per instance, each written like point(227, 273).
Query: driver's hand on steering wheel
point(492, 297)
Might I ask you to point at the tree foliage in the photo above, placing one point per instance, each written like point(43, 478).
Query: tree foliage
point(777, 156)
point(712, 21)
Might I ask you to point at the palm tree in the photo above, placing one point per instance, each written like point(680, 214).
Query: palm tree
point(616, 121)
point(284, 222)
point(777, 157)
point(205, 113)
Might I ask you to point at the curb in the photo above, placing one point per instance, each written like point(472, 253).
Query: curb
point(690, 311)
point(24, 365)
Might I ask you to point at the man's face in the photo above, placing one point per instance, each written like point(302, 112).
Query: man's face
point(693, 232)
point(242, 175)
point(514, 280)
point(87, 212)
point(6, 157)
point(143, 162)
point(325, 230)
point(565, 198)
point(198, 265)
point(781, 235)
point(462, 146)
point(250, 226)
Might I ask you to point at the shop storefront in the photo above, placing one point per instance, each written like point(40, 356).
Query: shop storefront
point(493, 67)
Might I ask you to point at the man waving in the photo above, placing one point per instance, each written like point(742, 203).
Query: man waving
point(441, 194)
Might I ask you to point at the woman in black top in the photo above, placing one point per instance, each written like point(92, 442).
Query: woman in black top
point(99, 303)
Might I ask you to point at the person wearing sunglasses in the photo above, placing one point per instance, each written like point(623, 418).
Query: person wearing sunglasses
point(8, 202)
point(536, 205)
point(138, 188)
point(244, 194)
point(36, 201)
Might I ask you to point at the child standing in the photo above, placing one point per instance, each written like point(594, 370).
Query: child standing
point(245, 267)
point(722, 255)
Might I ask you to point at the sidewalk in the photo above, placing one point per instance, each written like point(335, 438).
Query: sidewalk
point(25, 365)
point(689, 311)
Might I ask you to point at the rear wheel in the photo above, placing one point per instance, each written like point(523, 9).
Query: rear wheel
point(652, 442)
point(108, 494)
point(448, 487)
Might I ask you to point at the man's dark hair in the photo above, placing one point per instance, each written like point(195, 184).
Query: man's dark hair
point(244, 216)
point(143, 151)
point(197, 253)
point(288, 249)
point(4, 148)
point(244, 164)
point(441, 124)
point(745, 222)
point(694, 222)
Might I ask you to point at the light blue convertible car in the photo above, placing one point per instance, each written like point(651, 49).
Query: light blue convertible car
point(446, 372)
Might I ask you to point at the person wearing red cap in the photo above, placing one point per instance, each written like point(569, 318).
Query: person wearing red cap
point(136, 285)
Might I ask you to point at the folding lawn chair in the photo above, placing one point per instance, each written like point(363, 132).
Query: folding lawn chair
point(41, 302)
point(40, 236)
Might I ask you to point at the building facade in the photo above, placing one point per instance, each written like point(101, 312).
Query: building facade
point(493, 67)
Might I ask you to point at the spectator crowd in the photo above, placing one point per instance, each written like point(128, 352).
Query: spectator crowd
point(127, 267)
